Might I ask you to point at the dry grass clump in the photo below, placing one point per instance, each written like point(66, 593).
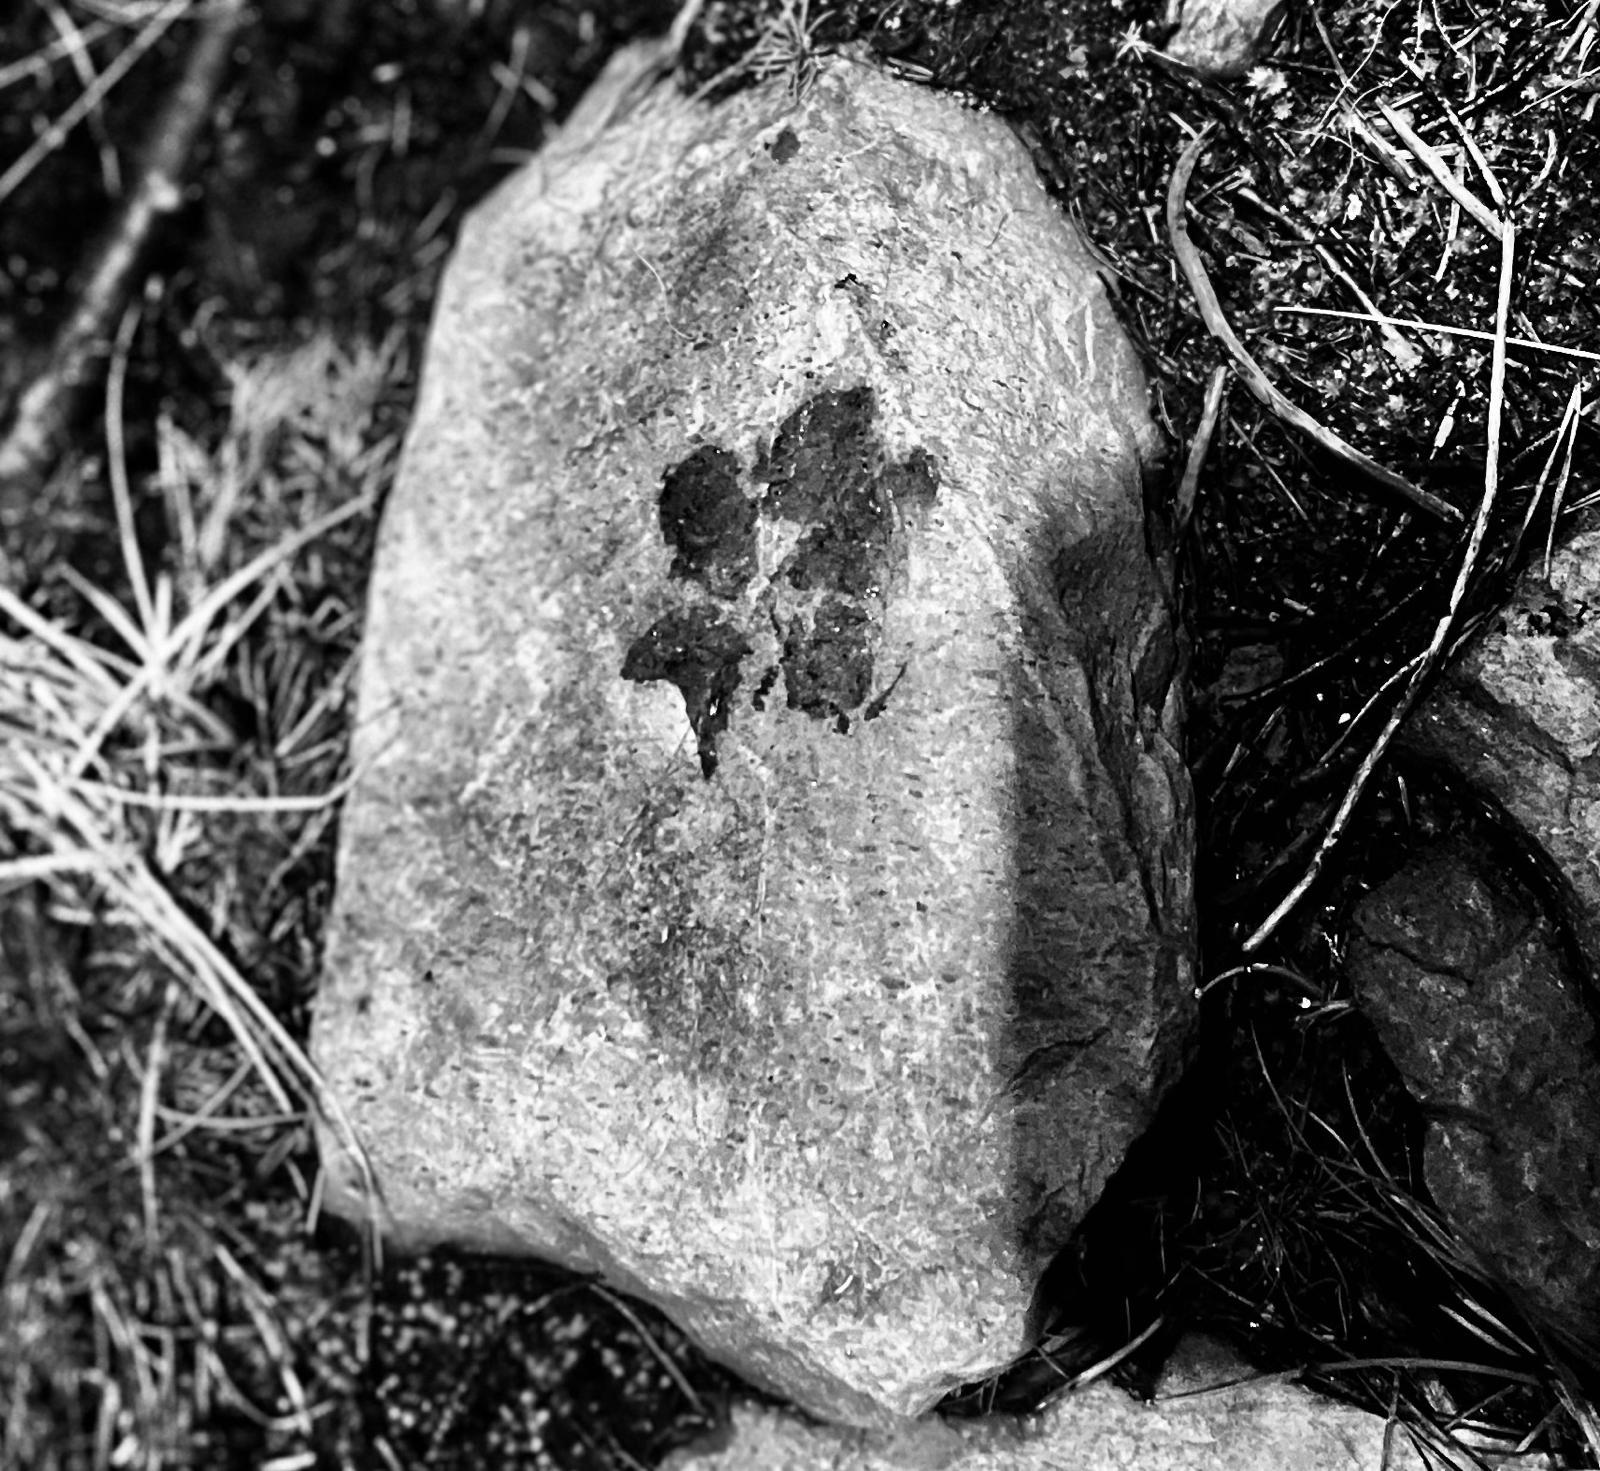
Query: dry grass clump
point(180, 603)
point(170, 761)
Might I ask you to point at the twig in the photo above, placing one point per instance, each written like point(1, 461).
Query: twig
point(1476, 333)
point(41, 62)
point(1255, 378)
point(117, 471)
point(1577, 1404)
point(1459, 640)
point(1388, 155)
point(1569, 428)
point(149, 1095)
point(650, 1341)
point(1565, 434)
point(1399, 349)
point(1430, 159)
point(76, 46)
point(1110, 1361)
point(47, 407)
point(89, 99)
point(1441, 633)
point(191, 802)
point(1199, 446)
point(1582, 32)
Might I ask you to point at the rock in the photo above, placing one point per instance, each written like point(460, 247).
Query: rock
point(1224, 38)
point(1519, 718)
point(1266, 1425)
point(1469, 985)
point(767, 878)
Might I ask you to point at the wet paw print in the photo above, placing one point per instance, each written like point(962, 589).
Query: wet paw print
point(826, 474)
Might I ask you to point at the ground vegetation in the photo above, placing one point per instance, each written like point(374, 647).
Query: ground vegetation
point(215, 280)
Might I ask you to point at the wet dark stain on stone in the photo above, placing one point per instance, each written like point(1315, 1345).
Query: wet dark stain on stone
point(679, 959)
point(708, 522)
point(827, 668)
point(769, 677)
point(826, 467)
point(698, 651)
point(847, 552)
point(820, 453)
point(785, 145)
point(914, 482)
point(826, 471)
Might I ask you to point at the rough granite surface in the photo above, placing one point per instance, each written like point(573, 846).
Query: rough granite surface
point(767, 880)
point(1473, 995)
point(1212, 1414)
point(1224, 38)
point(1519, 716)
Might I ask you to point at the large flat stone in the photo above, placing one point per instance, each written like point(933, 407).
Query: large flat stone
point(767, 880)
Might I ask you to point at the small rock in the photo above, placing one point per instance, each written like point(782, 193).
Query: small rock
point(1519, 718)
point(1224, 38)
point(1471, 991)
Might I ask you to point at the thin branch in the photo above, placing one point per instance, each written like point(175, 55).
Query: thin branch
point(89, 99)
point(42, 61)
point(652, 1343)
point(46, 409)
point(191, 802)
point(1477, 333)
point(1431, 160)
point(117, 470)
point(79, 55)
point(1200, 446)
point(1400, 350)
point(1569, 429)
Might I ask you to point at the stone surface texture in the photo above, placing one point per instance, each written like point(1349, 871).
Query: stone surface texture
point(1266, 1425)
point(767, 879)
point(1224, 38)
point(1519, 719)
point(1469, 985)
